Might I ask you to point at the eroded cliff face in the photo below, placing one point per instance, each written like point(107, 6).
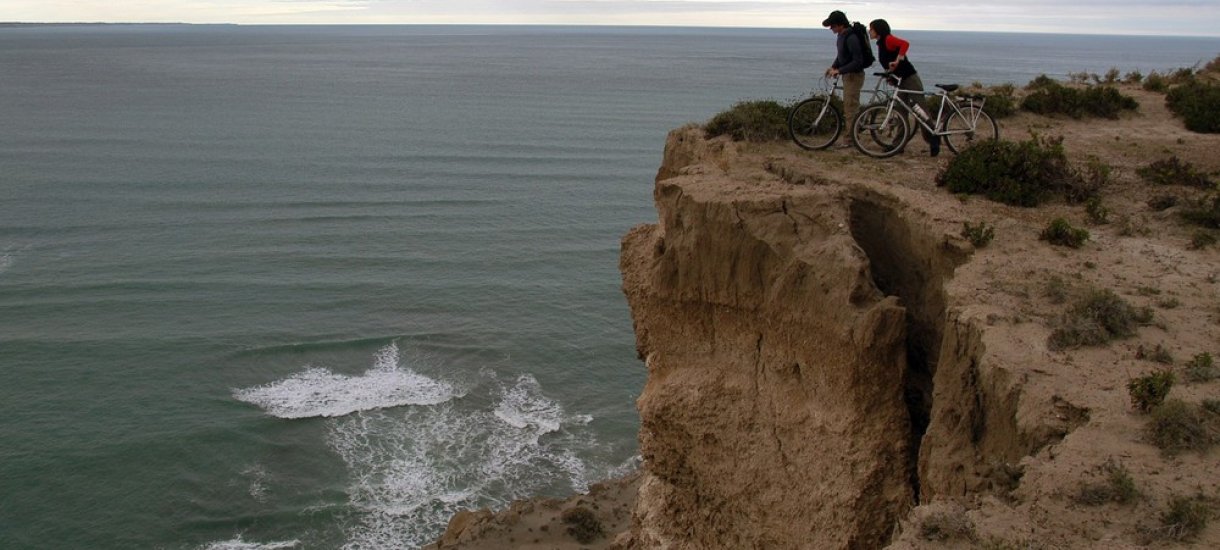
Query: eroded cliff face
point(790, 336)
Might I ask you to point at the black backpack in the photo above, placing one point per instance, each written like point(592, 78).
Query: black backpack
point(869, 56)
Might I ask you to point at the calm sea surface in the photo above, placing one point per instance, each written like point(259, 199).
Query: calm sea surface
point(321, 287)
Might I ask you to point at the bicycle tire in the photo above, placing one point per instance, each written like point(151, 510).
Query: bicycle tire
point(815, 123)
point(959, 137)
point(879, 133)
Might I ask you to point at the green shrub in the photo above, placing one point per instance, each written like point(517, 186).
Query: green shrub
point(1048, 96)
point(1156, 82)
point(1023, 173)
point(1149, 391)
point(1179, 426)
point(1162, 202)
point(1118, 487)
point(945, 526)
point(1174, 171)
point(1095, 319)
point(1097, 212)
point(979, 235)
point(1197, 103)
point(1185, 518)
point(1211, 406)
point(1201, 239)
point(1133, 77)
point(1201, 368)
point(1000, 101)
point(1158, 355)
point(1204, 214)
point(582, 524)
point(763, 120)
point(1057, 290)
point(1060, 232)
point(1089, 182)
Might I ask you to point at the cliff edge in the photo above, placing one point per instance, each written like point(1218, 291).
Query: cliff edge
point(832, 365)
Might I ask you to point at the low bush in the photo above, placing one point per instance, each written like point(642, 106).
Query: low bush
point(1097, 211)
point(1197, 103)
point(1158, 354)
point(1201, 239)
point(945, 526)
point(1206, 213)
point(1162, 202)
point(979, 235)
point(763, 120)
point(1201, 368)
point(1118, 487)
point(1057, 290)
point(1061, 233)
point(582, 524)
point(1149, 391)
point(1185, 518)
point(1174, 171)
point(1097, 318)
point(1176, 426)
point(1157, 82)
point(999, 101)
point(1025, 173)
point(1047, 96)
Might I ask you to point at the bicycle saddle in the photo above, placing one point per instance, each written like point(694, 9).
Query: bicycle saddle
point(948, 87)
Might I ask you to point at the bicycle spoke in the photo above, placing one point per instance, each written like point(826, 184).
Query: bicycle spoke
point(814, 123)
point(879, 132)
point(968, 126)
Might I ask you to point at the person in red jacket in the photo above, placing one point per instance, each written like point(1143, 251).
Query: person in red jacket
point(892, 54)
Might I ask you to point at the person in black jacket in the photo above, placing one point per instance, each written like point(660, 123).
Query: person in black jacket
point(849, 63)
point(892, 53)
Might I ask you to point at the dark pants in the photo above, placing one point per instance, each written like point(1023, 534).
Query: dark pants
point(913, 83)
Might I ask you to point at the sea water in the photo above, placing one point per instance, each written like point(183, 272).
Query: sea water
point(322, 287)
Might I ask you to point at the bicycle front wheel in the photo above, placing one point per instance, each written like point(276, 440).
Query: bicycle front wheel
point(814, 123)
point(961, 132)
point(879, 132)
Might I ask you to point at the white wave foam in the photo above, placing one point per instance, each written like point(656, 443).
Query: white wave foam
point(412, 469)
point(523, 406)
point(238, 544)
point(319, 392)
point(258, 477)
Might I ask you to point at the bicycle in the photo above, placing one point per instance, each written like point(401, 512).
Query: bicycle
point(958, 120)
point(816, 123)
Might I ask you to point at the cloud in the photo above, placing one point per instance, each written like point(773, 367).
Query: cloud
point(1091, 16)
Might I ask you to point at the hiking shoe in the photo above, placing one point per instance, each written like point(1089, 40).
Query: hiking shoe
point(934, 146)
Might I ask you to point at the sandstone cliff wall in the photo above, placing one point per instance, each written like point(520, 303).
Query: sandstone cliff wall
point(792, 336)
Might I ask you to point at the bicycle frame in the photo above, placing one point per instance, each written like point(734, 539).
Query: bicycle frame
point(946, 109)
point(832, 86)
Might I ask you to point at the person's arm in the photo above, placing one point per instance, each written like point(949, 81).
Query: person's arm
point(894, 43)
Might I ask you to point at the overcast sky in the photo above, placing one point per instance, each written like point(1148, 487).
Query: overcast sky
point(1189, 17)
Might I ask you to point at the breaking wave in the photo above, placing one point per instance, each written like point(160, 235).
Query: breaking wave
point(317, 391)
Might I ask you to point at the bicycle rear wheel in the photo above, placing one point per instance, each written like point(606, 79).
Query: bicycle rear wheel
point(878, 132)
point(960, 133)
point(815, 123)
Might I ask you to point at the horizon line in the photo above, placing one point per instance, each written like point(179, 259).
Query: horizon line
point(588, 25)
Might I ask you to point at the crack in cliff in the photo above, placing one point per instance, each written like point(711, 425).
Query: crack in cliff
point(906, 262)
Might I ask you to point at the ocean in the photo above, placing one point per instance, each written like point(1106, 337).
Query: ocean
point(322, 287)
